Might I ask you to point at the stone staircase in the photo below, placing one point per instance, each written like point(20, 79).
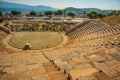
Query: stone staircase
point(53, 72)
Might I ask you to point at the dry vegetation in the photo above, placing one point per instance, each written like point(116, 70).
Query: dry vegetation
point(111, 20)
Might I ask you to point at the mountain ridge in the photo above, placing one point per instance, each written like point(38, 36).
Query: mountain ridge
point(24, 8)
point(81, 10)
point(7, 7)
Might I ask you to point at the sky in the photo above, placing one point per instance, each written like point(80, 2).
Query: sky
point(61, 4)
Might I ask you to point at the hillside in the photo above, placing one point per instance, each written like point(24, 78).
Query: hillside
point(111, 20)
point(24, 8)
point(8, 7)
point(81, 10)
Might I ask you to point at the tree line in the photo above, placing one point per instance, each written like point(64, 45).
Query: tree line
point(47, 13)
point(95, 15)
point(64, 13)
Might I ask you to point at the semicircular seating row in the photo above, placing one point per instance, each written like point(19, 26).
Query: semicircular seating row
point(92, 52)
point(93, 35)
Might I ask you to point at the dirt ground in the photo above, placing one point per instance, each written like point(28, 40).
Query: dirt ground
point(38, 40)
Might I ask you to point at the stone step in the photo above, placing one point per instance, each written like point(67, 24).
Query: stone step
point(57, 76)
point(48, 64)
point(53, 73)
point(50, 69)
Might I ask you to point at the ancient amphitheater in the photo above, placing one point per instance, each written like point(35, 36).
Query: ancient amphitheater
point(91, 52)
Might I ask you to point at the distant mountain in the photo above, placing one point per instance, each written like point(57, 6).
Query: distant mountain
point(8, 7)
point(81, 10)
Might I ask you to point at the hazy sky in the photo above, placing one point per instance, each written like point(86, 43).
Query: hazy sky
point(102, 4)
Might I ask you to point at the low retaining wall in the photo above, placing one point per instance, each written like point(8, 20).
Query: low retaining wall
point(3, 28)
